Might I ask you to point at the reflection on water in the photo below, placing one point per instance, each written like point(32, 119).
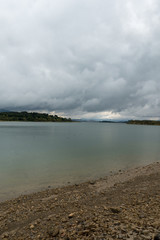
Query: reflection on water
point(35, 155)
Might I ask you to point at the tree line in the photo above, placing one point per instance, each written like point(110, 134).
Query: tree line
point(31, 117)
point(144, 122)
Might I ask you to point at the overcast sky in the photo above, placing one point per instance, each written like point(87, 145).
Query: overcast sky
point(81, 58)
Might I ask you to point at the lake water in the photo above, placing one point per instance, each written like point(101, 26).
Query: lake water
point(34, 156)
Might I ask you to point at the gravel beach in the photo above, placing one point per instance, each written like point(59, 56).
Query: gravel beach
point(125, 205)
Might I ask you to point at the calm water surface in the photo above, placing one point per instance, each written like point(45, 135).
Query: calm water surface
point(36, 155)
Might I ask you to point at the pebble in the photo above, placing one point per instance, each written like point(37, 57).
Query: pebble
point(157, 236)
point(71, 215)
point(115, 210)
point(31, 226)
point(131, 211)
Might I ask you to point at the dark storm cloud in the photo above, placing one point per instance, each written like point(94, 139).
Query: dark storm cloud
point(81, 58)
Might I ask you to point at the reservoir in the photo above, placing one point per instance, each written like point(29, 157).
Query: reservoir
point(35, 156)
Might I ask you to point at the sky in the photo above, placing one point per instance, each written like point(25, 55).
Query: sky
point(95, 59)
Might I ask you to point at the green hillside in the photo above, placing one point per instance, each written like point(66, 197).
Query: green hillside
point(144, 122)
point(31, 117)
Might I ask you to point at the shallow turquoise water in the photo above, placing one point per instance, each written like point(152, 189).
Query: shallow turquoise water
point(36, 155)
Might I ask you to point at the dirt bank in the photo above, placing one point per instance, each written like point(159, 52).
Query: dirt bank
point(125, 205)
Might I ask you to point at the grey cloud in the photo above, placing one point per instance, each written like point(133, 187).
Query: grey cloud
point(79, 57)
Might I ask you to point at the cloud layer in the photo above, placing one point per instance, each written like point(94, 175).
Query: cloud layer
point(91, 58)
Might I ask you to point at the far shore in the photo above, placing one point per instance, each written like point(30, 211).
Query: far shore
point(124, 205)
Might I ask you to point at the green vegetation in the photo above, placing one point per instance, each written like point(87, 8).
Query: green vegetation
point(144, 122)
point(31, 117)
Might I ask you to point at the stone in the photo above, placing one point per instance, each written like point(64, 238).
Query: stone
point(92, 182)
point(71, 215)
point(115, 210)
point(31, 226)
point(53, 233)
point(157, 236)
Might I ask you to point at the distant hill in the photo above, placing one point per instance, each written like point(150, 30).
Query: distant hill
point(31, 117)
point(144, 122)
point(4, 110)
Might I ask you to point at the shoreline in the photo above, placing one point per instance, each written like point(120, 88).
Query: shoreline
point(112, 176)
point(123, 205)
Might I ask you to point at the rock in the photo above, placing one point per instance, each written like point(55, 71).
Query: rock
point(62, 232)
point(115, 210)
point(145, 237)
point(155, 224)
point(71, 215)
point(53, 233)
point(92, 182)
point(5, 235)
point(130, 238)
point(31, 226)
point(157, 237)
point(146, 232)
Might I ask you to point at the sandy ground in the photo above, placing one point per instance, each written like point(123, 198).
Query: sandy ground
point(125, 205)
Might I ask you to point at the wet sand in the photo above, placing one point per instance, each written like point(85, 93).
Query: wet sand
point(125, 205)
